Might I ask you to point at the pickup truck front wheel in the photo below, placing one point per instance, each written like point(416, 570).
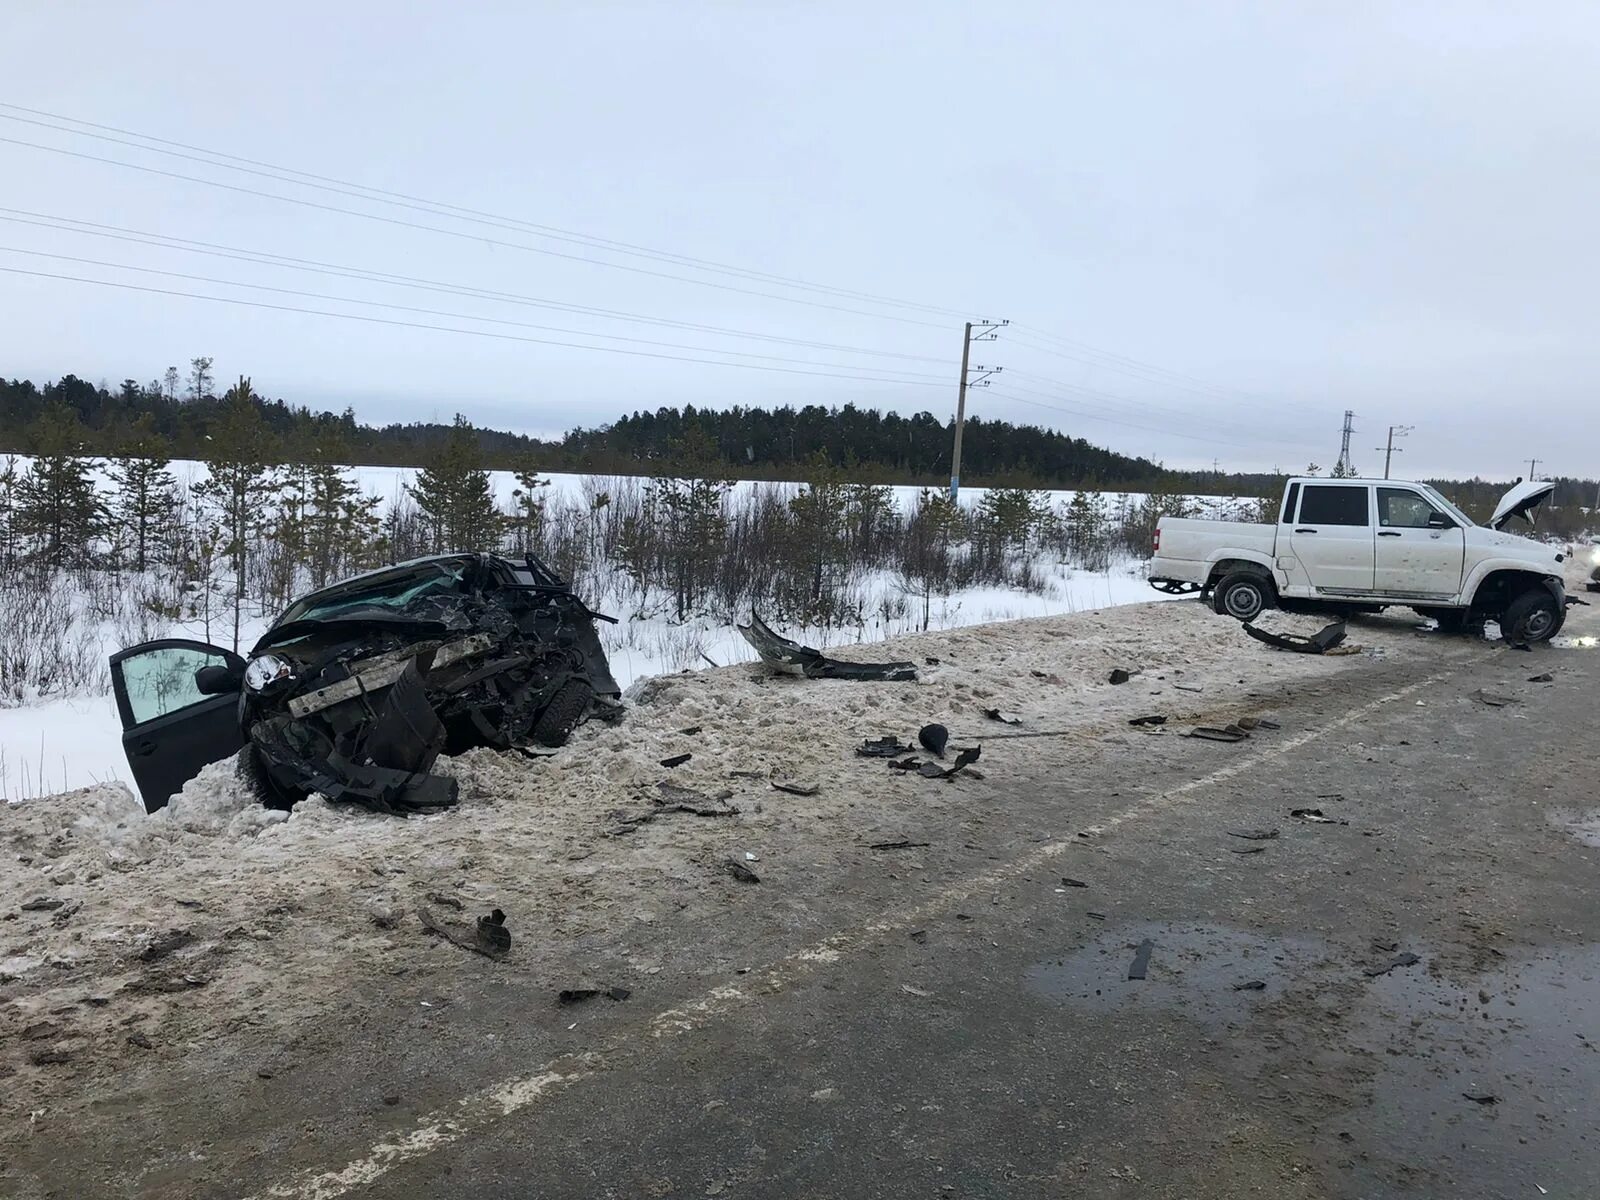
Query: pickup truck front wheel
point(1533, 616)
point(1242, 595)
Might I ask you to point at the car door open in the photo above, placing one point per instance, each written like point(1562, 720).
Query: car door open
point(1332, 537)
point(1420, 550)
point(175, 720)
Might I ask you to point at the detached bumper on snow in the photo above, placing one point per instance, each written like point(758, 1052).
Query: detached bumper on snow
point(791, 658)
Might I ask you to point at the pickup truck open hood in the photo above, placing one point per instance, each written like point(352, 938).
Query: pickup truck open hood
point(1521, 500)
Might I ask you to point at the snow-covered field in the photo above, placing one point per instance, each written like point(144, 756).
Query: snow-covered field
point(62, 742)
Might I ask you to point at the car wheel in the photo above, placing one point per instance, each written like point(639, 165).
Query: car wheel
point(563, 714)
point(1242, 596)
point(1533, 616)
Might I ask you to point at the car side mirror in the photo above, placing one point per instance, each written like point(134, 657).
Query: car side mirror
point(1440, 521)
point(218, 680)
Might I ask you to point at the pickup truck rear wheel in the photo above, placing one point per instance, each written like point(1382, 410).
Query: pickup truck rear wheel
point(1533, 616)
point(1242, 595)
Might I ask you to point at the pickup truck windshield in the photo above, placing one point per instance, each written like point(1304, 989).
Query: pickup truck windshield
point(1447, 506)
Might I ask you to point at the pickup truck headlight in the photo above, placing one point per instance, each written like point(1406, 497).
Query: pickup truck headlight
point(266, 670)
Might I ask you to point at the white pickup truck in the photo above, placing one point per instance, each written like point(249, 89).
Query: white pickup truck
point(1359, 545)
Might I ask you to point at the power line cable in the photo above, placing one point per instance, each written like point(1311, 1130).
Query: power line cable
point(264, 258)
point(470, 237)
point(1091, 415)
point(455, 316)
point(483, 333)
point(437, 207)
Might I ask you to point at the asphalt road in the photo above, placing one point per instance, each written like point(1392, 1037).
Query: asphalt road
point(957, 1020)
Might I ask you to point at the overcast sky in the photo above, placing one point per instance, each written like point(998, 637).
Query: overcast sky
point(1214, 226)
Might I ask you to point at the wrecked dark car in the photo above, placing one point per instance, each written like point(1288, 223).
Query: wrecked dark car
point(356, 689)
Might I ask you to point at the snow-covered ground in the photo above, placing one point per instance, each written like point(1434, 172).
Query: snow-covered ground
point(58, 743)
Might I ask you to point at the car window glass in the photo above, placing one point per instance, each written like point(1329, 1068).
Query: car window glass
point(1287, 516)
point(393, 593)
point(1333, 505)
point(1401, 509)
point(162, 681)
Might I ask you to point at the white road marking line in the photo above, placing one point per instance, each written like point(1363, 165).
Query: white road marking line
point(469, 1115)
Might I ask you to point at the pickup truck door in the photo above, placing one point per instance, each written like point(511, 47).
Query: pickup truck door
point(1420, 550)
point(170, 728)
point(1332, 536)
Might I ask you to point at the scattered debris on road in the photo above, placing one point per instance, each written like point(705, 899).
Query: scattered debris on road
point(1120, 676)
point(791, 658)
point(570, 996)
point(676, 760)
point(491, 938)
point(1483, 1098)
point(964, 759)
point(902, 844)
point(1318, 643)
point(1399, 960)
point(933, 738)
point(1254, 835)
point(1315, 816)
point(739, 871)
point(914, 991)
point(1251, 985)
point(1068, 881)
point(1547, 677)
point(1494, 699)
point(1005, 718)
point(1154, 719)
point(1141, 959)
point(884, 747)
point(1255, 849)
point(1208, 733)
point(796, 788)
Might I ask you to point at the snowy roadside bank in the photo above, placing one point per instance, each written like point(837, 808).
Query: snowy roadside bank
point(218, 925)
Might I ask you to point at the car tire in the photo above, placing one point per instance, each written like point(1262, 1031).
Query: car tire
point(563, 714)
point(1244, 596)
point(1533, 616)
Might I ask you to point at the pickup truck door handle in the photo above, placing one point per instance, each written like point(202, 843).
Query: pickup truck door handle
point(1389, 533)
point(1305, 530)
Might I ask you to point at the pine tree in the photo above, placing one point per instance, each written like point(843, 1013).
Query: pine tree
point(200, 379)
point(146, 498)
point(57, 510)
point(691, 508)
point(1084, 529)
point(342, 522)
point(527, 520)
point(1010, 516)
point(10, 484)
point(817, 535)
point(237, 460)
point(455, 496)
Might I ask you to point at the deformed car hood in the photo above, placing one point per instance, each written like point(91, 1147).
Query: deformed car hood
point(1521, 500)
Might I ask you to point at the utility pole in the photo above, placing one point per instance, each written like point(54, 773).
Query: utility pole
point(987, 331)
point(1345, 467)
point(1391, 449)
point(1533, 464)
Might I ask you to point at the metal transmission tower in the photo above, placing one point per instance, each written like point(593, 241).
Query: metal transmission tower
point(976, 331)
point(1346, 467)
point(1389, 451)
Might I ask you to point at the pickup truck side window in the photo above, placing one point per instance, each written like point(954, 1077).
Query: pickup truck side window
point(1402, 509)
point(1334, 505)
point(1289, 501)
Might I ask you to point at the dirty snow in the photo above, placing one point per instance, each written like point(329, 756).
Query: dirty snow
point(278, 917)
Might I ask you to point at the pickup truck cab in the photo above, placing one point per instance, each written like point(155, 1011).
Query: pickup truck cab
point(1359, 545)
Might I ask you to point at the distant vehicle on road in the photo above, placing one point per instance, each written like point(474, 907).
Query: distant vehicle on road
point(1361, 545)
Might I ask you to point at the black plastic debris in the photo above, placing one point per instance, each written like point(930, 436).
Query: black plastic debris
point(1481, 1097)
point(1545, 678)
point(1316, 816)
point(1005, 718)
point(791, 658)
point(1249, 724)
point(1318, 643)
point(1251, 985)
point(1254, 835)
point(1154, 719)
point(1068, 881)
point(671, 798)
point(1208, 733)
point(1493, 699)
point(796, 788)
point(931, 661)
point(1119, 676)
point(964, 759)
point(1406, 959)
point(676, 760)
point(692, 731)
point(933, 738)
point(905, 764)
point(884, 747)
point(739, 871)
point(41, 904)
point(901, 844)
point(570, 996)
point(1257, 848)
point(1094, 916)
point(164, 944)
point(493, 936)
point(919, 936)
point(1141, 960)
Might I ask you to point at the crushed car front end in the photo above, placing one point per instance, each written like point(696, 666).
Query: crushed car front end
point(357, 689)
